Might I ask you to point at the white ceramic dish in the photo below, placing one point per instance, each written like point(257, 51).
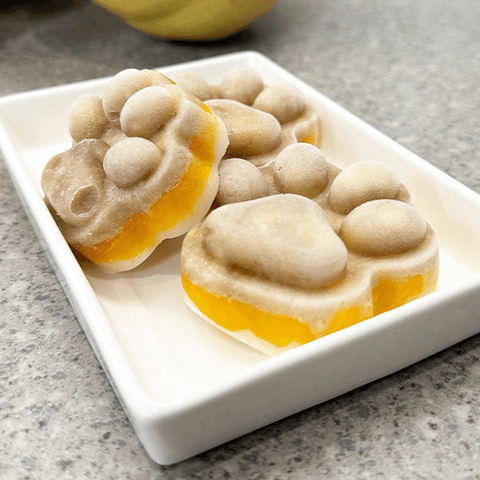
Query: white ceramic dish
point(188, 387)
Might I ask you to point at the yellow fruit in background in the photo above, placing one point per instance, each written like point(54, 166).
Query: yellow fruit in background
point(188, 19)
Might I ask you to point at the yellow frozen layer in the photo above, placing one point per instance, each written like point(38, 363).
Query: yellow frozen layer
point(281, 330)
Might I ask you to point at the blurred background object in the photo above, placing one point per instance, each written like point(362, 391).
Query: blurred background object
point(189, 19)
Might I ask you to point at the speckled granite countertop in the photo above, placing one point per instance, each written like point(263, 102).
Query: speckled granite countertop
point(410, 69)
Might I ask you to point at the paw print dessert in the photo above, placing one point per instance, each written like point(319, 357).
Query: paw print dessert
point(142, 168)
point(309, 258)
point(261, 119)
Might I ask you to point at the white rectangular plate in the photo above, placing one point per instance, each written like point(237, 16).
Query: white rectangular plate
point(188, 387)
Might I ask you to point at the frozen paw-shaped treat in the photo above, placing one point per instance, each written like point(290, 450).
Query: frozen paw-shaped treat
point(273, 273)
point(261, 119)
point(143, 167)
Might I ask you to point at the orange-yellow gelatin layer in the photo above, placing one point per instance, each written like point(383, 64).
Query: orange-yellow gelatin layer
point(391, 293)
point(346, 317)
point(281, 330)
point(235, 315)
point(141, 229)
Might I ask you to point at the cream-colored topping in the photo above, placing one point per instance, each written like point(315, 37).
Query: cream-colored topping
point(361, 182)
point(239, 181)
point(285, 238)
point(383, 227)
point(250, 131)
point(86, 118)
point(284, 102)
point(241, 84)
point(130, 161)
point(120, 89)
point(301, 168)
point(147, 111)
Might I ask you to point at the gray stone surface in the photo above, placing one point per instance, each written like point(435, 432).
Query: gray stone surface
point(410, 69)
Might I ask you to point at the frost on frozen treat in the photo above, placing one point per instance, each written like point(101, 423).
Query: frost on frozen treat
point(143, 167)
